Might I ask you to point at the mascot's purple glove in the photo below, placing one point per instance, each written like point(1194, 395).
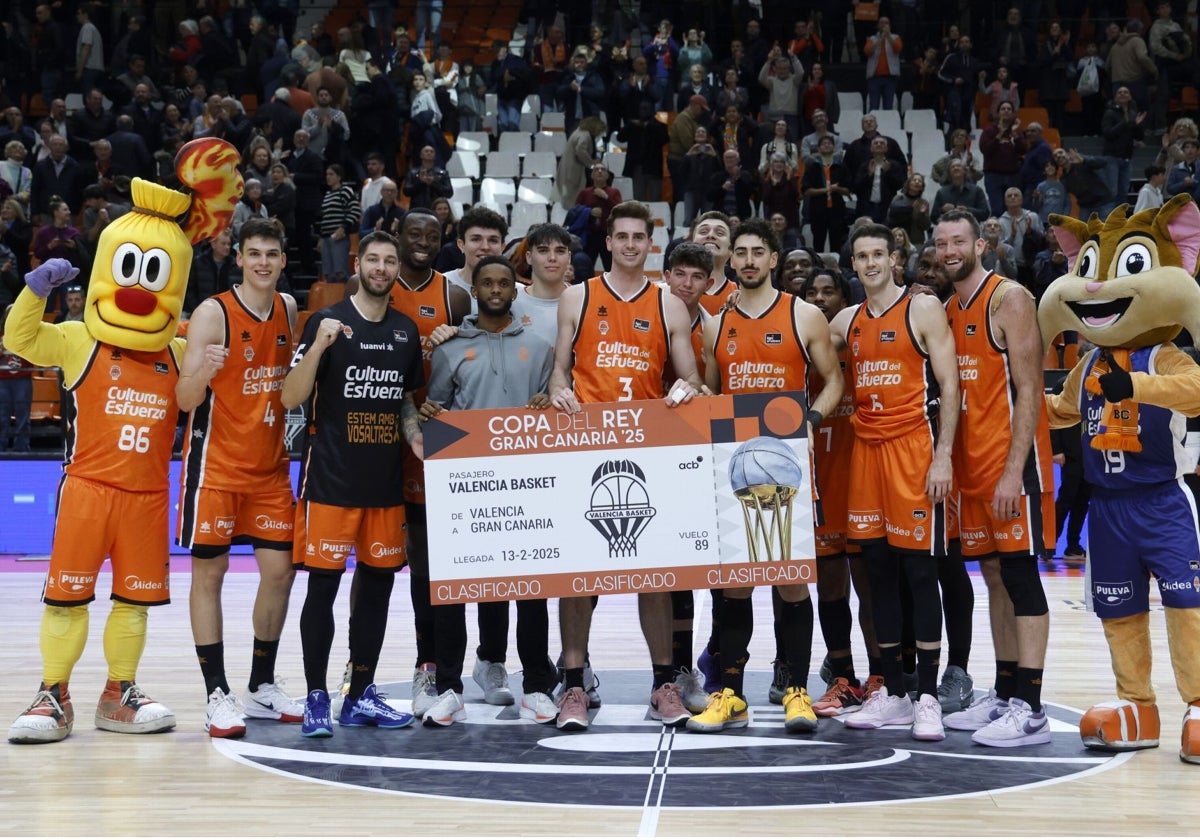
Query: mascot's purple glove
point(49, 276)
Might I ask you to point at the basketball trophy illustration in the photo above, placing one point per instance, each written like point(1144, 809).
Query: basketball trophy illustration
point(765, 474)
point(620, 507)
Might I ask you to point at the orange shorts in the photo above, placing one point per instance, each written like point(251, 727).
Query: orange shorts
point(212, 520)
point(325, 536)
point(887, 500)
point(833, 483)
point(1029, 534)
point(97, 521)
point(414, 477)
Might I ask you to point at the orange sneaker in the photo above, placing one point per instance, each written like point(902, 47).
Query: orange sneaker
point(125, 708)
point(872, 685)
point(1189, 750)
point(841, 698)
point(1120, 726)
point(48, 718)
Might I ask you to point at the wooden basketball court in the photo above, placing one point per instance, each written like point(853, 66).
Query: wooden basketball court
point(182, 783)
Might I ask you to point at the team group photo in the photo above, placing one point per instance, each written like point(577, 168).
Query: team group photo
point(343, 344)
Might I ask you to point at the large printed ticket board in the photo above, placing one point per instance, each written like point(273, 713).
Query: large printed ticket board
point(621, 497)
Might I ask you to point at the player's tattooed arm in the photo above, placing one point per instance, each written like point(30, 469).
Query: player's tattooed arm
point(410, 424)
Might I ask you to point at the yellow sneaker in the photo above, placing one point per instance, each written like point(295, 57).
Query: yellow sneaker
point(798, 711)
point(725, 711)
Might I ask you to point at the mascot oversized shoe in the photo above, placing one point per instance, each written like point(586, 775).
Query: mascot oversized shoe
point(1122, 725)
point(1189, 750)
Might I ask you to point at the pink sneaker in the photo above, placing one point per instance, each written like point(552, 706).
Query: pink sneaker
point(573, 709)
point(666, 705)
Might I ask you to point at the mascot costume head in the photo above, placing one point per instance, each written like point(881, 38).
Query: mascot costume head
point(143, 258)
point(1131, 289)
point(131, 320)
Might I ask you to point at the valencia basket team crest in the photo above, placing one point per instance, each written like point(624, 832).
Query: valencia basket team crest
point(620, 506)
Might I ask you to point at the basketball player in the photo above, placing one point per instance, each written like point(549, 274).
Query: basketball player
point(429, 300)
point(235, 482)
point(432, 301)
point(360, 361)
point(782, 334)
point(548, 254)
point(712, 230)
point(827, 290)
point(464, 377)
point(1005, 478)
point(905, 413)
point(481, 233)
point(581, 375)
point(688, 277)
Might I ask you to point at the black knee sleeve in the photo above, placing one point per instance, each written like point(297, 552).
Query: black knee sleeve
point(921, 571)
point(883, 572)
point(1024, 586)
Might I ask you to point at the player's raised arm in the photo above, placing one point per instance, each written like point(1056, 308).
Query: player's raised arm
point(303, 376)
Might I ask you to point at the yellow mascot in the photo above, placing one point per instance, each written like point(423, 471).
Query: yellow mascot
point(119, 366)
point(1130, 290)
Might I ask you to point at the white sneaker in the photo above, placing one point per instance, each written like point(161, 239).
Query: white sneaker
point(271, 702)
point(1019, 726)
point(881, 709)
point(222, 717)
point(538, 707)
point(979, 714)
point(338, 698)
point(492, 677)
point(927, 719)
point(690, 683)
point(424, 689)
point(447, 709)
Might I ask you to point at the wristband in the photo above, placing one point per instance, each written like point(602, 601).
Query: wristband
point(815, 417)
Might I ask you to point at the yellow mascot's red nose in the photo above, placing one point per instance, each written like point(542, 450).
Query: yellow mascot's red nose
point(135, 301)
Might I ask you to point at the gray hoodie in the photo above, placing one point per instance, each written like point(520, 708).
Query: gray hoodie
point(479, 369)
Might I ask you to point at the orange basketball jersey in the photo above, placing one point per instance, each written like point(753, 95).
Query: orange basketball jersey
point(895, 392)
point(988, 398)
point(833, 444)
point(120, 415)
point(245, 454)
point(621, 347)
point(429, 307)
point(763, 353)
point(712, 302)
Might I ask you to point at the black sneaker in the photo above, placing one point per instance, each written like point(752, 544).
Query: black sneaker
point(780, 682)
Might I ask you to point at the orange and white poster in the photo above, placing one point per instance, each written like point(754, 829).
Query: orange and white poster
point(621, 497)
